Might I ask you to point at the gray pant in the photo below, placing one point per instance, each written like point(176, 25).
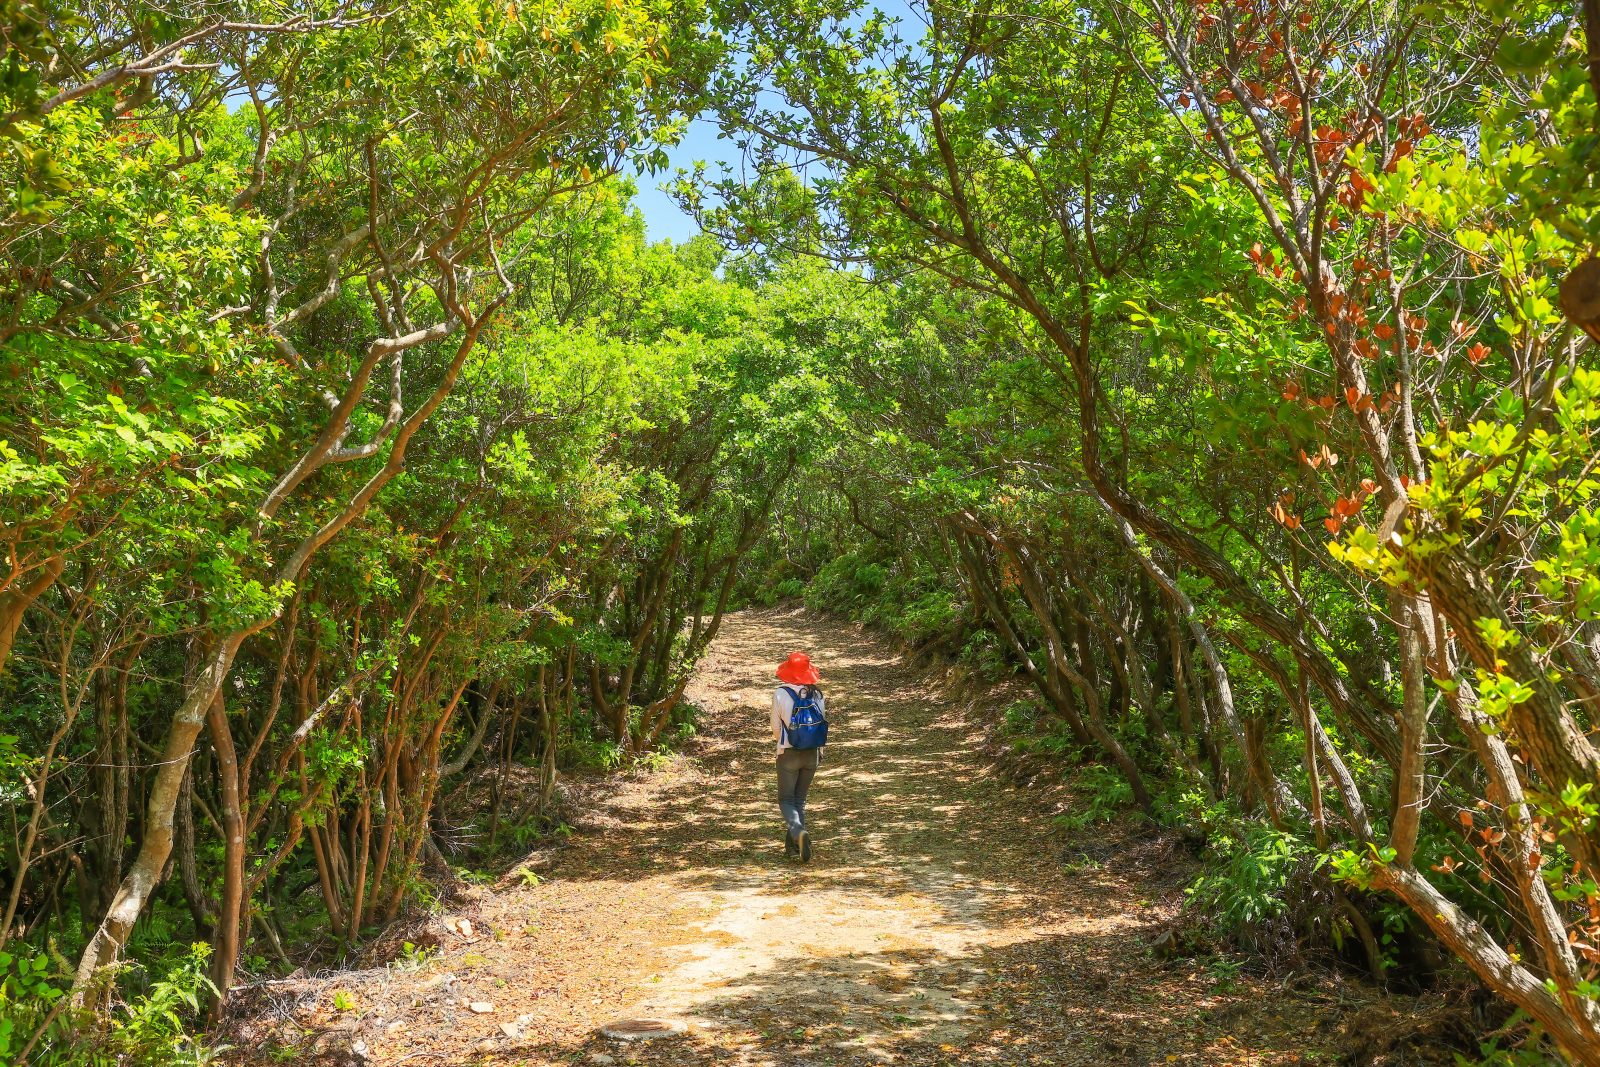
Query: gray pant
point(795, 771)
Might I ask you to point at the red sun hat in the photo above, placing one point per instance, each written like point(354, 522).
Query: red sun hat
point(797, 670)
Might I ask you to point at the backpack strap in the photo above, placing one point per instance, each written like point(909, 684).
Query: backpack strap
point(794, 698)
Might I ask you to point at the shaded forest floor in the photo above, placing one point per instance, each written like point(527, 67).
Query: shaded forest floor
point(945, 920)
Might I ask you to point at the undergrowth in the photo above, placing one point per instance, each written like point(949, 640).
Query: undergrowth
point(154, 1028)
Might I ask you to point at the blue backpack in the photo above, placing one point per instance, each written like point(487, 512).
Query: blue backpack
point(807, 728)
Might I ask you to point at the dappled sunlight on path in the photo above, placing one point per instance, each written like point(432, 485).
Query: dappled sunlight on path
point(935, 919)
point(936, 925)
point(872, 945)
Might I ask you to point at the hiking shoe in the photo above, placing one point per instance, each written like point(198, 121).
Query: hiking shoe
point(790, 849)
point(805, 847)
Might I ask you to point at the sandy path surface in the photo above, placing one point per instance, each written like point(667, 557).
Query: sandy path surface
point(937, 923)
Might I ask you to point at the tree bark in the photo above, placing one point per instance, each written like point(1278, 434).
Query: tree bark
point(230, 911)
point(14, 602)
point(105, 944)
point(470, 749)
point(1471, 942)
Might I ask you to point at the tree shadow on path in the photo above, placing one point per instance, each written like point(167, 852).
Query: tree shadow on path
point(937, 924)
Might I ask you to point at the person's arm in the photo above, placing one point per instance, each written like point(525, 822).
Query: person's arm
point(777, 714)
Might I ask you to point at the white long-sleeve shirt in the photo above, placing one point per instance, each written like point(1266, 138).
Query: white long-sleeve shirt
point(782, 706)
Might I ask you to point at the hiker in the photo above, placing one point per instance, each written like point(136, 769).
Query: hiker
point(801, 729)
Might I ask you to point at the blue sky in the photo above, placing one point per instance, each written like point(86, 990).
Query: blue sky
point(663, 218)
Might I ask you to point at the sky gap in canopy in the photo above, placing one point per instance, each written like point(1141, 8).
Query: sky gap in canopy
point(664, 219)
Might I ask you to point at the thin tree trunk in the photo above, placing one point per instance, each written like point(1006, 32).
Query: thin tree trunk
point(470, 749)
point(201, 911)
point(994, 608)
point(230, 912)
point(1034, 591)
point(105, 944)
point(1409, 778)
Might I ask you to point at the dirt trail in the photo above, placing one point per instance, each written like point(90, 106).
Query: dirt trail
point(936, 925)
